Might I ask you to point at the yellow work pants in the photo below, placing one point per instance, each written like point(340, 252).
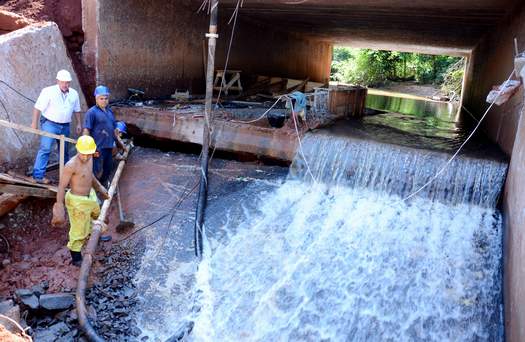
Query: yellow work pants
point(81, 209)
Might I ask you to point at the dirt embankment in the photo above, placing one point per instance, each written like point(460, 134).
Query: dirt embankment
point(68, 16)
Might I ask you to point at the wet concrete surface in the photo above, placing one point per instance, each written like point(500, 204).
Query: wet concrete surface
point(152, 186)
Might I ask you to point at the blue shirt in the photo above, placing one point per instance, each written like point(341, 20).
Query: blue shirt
point(101, 125)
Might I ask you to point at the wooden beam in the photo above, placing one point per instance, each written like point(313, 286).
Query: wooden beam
point(61, 156)
point(25, 181)
point(25, 190)
point(34, 131)
point(9, 202)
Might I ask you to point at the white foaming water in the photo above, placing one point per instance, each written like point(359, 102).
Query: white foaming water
point(338, 264)
point(348, 261)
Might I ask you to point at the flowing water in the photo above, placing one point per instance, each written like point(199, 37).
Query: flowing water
point(333, 253)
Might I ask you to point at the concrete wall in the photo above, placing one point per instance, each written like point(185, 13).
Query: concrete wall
point(492, 61)
point(159, 46)
point(262, 50)
point(30, 58)
point(151, 45)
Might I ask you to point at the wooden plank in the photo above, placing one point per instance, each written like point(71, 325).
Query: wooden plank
point(19, 179)
point(34, 131)
point(9, 202)
point(25, 190)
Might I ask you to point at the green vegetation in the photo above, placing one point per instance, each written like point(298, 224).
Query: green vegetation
point(376, 67)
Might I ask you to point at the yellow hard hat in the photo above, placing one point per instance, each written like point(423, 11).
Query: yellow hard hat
point(86, 145)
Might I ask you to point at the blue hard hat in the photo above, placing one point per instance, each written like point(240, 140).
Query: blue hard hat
point(121, 126)
point(101, 90)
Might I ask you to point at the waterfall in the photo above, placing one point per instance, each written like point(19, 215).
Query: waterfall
point(345, 259)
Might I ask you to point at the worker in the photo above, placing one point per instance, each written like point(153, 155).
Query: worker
point(100, 123)
point(81, 200)
point(122, 132)
point(54, 109)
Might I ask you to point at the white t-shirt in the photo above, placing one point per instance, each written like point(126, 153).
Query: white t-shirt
point(57, 106)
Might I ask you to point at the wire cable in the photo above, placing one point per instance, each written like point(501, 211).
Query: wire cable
point(16, 91)
point(444, 167)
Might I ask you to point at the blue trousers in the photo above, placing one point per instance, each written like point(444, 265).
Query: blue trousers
point(103, 164)
point(46, 143)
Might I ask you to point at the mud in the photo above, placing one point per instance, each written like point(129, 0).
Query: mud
point(37, 252)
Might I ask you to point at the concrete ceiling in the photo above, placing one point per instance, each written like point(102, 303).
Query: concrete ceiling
point(440, 26)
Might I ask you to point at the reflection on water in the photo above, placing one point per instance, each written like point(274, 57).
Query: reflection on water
point(420, 117)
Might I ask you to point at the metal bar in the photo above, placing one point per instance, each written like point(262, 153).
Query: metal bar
point(203, 187)
point(34, 131)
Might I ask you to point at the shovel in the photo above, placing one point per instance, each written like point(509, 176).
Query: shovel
point(124, 225)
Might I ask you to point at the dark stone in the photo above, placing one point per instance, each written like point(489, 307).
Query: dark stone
point(6, 305)
point(23, 293)
point(30, 301)
point(70, 336)
point(38, 290)
point(57, 301)
point(52, 333)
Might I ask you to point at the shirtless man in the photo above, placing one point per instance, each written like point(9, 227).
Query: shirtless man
point(80, 200)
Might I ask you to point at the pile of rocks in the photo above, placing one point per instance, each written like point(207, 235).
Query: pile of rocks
point(112, 300)
point(45, 316)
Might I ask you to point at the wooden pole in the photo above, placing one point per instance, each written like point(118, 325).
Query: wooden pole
point(61, 157)
point(203, 188)
point(89, 255)
point(34, 131)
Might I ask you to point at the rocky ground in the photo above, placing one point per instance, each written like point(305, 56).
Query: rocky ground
point(37, 280)
point(114, 297)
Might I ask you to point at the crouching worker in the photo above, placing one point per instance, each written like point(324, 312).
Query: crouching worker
point(80, 200)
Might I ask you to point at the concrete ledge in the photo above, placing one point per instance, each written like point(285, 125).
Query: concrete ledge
point(278, 144)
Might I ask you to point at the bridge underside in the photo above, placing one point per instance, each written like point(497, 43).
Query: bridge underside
point(294, 39)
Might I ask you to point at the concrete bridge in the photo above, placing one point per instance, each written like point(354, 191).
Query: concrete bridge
point(158, 46)
point(294, 38)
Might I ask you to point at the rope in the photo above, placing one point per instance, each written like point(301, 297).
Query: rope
point(10, 120)
point(443, 168)
point(260, 117)
point(234, 17)
point(18, 92)
point(15, 323)
point(301, 152)
point(469, 113)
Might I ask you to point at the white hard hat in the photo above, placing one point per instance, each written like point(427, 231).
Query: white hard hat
point(64, 75)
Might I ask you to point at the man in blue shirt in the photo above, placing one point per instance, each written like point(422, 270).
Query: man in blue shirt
point(100, 123)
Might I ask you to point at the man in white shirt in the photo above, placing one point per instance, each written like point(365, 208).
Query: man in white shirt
point(54, 108)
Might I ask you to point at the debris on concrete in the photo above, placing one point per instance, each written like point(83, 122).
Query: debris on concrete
point(114, 296)
point(500, 94)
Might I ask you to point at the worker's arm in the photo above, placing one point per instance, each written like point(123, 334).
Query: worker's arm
point(119, 140)
point(89, 122)
point(36, 117)
point(58, 209)
point(99, 188)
